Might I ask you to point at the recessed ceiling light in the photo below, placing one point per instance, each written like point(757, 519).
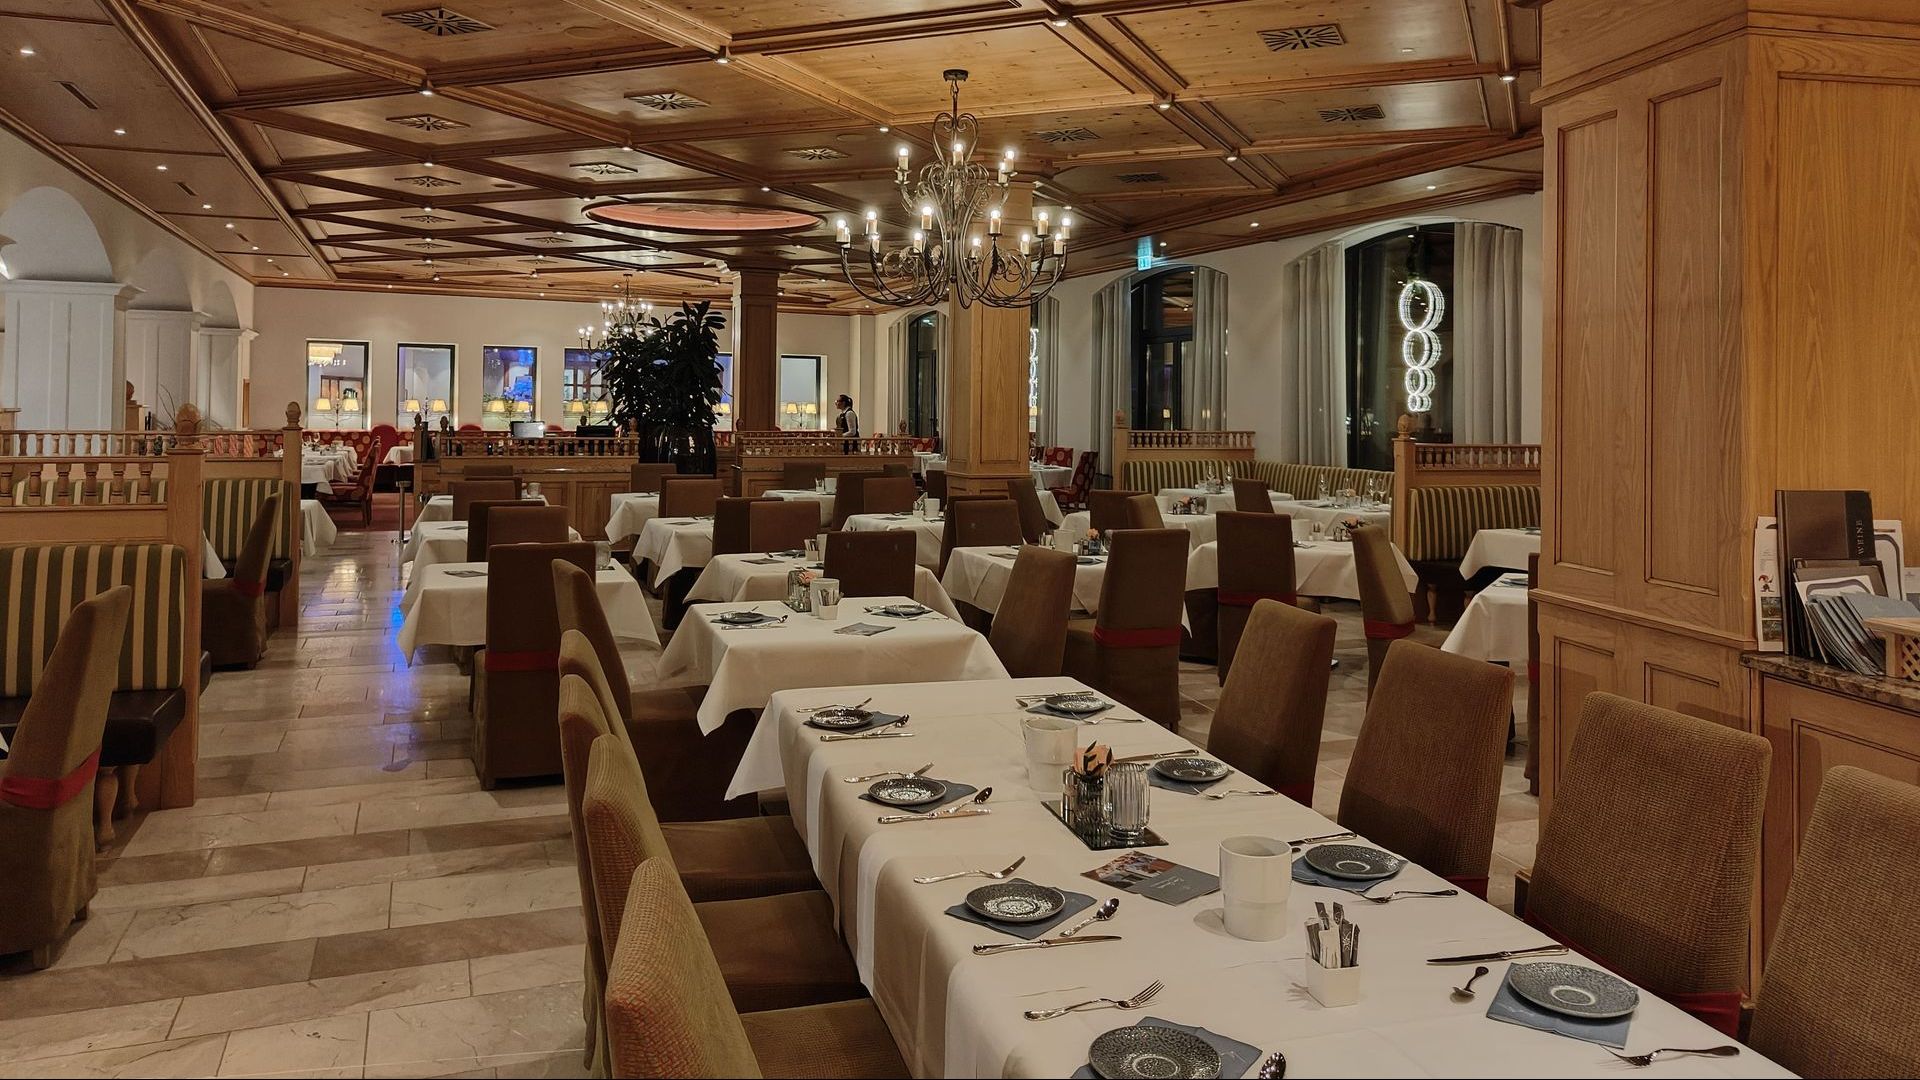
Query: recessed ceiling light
point(119, 131)
point(26, 50)
point(284, 273)
point(1163, 243)
point(161, 168)
point(724, 56)
point(1233, 157)
point(206, 206)
point(1058, 21)
point(764, 187)
point(1406, 50)
point(426, 89)
point(1163, 106)
point(1253, 224)
point(269, 260)
point(1509, 77)
point(255, 247)
point(229, 224)
point(884, 129)
point(428, 164)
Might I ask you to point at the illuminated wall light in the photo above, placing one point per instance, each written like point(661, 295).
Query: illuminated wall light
point(1422, 308)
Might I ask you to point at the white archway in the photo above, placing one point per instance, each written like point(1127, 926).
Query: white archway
point(50, 237)
point(60, 358)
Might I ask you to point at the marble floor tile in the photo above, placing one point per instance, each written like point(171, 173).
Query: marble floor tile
point(471, 896)
point(525, 970)
point(94, 939)
point(200, 927)
point(535, 855)
point(128, 982)
point(429, 810)
point(369, 792)
point(332, 1047)
point(199, 890)
point(168, 830)
point(265, 1006)
point(378, 950)
point(477, 1032)
point(172, 1058)
point(86, 1030)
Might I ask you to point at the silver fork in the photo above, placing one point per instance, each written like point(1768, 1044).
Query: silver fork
point(996, 875)
point(1153, 989)
point(1218, 795)
point(884, 731)
point(870, 777)
point(1641, 1061)
point(1392, 896)
point(823, 708)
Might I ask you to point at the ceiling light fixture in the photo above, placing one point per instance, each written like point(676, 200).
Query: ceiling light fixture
point(724, 56)
point(1163, 104)
point(26, 50)
point(1231, 157)
point(1059, 20)
point(229, 224)
point(119, 131)
point(255, 247)
point(884, 129)
point(946, 256)
point(1433, 187)
point(426, 89)
point(1508, 77)
point(160, 168)
point(206, 206)
point(764, 187)
point(427, 164)
point(1253, 224)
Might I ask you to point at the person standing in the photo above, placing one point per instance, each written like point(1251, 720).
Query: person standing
point(848, 422)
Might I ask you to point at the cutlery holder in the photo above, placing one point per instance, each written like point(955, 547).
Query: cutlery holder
point(1333, 988)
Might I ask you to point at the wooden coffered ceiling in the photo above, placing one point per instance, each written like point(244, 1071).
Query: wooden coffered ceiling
point(298, 145)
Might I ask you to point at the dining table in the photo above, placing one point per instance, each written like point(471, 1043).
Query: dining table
point(1211, 502)
point(1322, 568)
point(742, 666)
point(927, 532)
point(1201, 528)
point(440, 507)
point(824, 499)
point(316, 475)
point(674, 544)
point(629, 511)
point(1327, 512)
point(436, 542)
point(762, 575)
point(446, 604)
point(401, 454)
point(979, 576)
point(1500, 549)
point(1494, 625)
point(317, 530)
point(955, 1012)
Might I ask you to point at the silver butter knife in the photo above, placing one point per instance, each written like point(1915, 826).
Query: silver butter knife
point(871, 735)
point(1507, 954)
point(1043, 943)
point(895, 819)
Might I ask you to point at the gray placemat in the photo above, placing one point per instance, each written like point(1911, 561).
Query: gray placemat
point(1236, 1057)
point(873, 719)
point(1509, 1007)
point(1041, 708)
point(1076, 903)
point(1307, 875)
point(956, 791)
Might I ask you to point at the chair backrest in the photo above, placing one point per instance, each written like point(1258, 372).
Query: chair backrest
point(936, 481)
point(801, 475)
point(467, 492)
point(523, 621)
point(250, 571)
point(587, 645)
point(1649, 858)
point(872, 563)
point(987, 522)
point(622, 829)
point(1143, 512)
point(487, 468)
point(523, 524)
point(45, 584)
point(480, 524)
point(1033, 517)
point(1145, 583)
point(1255, 553)
point(1251, 496)
point(1837, 999)
point(949, 526)
point(1108, 510)
point(669, 1012)
point(888, 495)
point(1083, 472)
point(1424, 780)
point(683, 496)
point(849, 496)
point(646, 475)
point(782, 524)
point(1386, 608)
point(1268, 719)
point(897, 468)
point(66, 715)
point(732, 528)
point(1029, 632)
point(583, 722)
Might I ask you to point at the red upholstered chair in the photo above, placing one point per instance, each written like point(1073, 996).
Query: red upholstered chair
point(1256, 563)
point(1131, 648)
point(1074, 495)
point(1061, 456)
point(516, 677)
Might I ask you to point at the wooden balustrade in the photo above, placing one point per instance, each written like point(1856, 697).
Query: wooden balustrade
point(1152, 444)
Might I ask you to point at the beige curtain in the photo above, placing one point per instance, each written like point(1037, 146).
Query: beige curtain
point(1313, 354)
point(1112, 382)
point(1047, 347)
point(1486, 333)
point(1204, 397)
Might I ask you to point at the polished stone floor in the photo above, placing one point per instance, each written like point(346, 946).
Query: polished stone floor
point(344, 899)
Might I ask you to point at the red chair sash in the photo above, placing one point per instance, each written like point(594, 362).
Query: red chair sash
point(48, 793)
point(1533, 673)
point(1475, 885)
point(251, 589)
point(1248, 599)
point(495, 660)
point(1385, 631)
point(1151, 637)
point(1301, 793)
point(1718, 1009)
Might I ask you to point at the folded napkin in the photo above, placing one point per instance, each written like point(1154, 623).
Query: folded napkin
point(1307, 875)
point(956, 791)
point(873, 720)
point(1509, 1007)
point(1033, 931)
point(770, 560)
point(1236, 1057)
point(790, 553)
point(923, 613)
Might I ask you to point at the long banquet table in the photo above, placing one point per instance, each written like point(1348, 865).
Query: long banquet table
point(1323, 568)
point(763, 576)
point(957, 1014)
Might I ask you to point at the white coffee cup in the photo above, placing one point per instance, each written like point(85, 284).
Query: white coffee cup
point(1050, 747)
point(1256, 877)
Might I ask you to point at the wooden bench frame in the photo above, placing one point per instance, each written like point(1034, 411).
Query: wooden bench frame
point(1177, 445)
point(758, 459)
point(248, 454)
point(1435, 465)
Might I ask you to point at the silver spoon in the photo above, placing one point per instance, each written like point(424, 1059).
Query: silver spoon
point(997, 875)
point(1274, 1068)
point(1465, 993)
point(921, 771)
point(1100, 914)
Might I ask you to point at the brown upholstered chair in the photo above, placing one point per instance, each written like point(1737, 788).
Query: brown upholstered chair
point(47, 782)
point(1034, 525)
point(682, 496)
point(936, 482)
point(1029, 632)
point(888, 495)
point(1256, 563)
point(1268, 719)
point(774, 952)
point(1386, 608)
point(732, 530)
point(872, 563)
point(1143, 512)
point(1837, 998)
point(524, 524)
point(516, 677)
point(1424, 780)
point(950, 523)
point(1131, 648)
point(849, 497)
point(233, 610)
point(1107, 510)
point(1252, 496)
point(668, 1014)
point(782, 524)
point(1648, 861)
point(897, 468)
point(690, 771)
point(466, 492)
point(480, 524)
point(801, 475)
point(646, 475)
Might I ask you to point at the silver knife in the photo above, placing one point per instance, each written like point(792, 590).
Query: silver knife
point(873, 735)
point(1507, 954)
point(895, 819)
point(1043, 943)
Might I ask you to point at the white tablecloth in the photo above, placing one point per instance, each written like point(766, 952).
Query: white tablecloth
point(442, 609)
point(742, 668)
point(674, 544)
point(739, 579)
point(927, 531)
point(1312, 510)
point(1494, 626)
point(1051, 476)
point(1201, 528)
point(317, 475)
point(1211, 502)
point(957, 1014)
point(211, 567)
point(823, 498)
point(317, 530)
point(1320, 568)
point(1504, 549)
point(398, 455)
point(436, 542)
point(979, 576)
point(440, 507)
point(629, 513)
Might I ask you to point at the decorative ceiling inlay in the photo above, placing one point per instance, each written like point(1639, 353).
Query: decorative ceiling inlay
point(1352, 115)
point(1065, 135)
point(426, 122)
point(427, 219)
point(1325, 35)
point(817, 153)
point(1142, 178)
point(667, 101)
point(702, 217)
point(427, 181)
point(439, 21)
point(605, 168)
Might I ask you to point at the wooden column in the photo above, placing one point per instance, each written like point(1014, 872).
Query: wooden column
point(1731, 242)
point(985, 431)
point(756, 353)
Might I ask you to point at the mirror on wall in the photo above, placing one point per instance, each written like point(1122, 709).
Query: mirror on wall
point(336, 384)
point(583, 396)
point(800, 408)
point(425, 382)
point(507, 381)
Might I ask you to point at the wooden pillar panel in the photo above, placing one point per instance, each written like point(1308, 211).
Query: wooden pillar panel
point(756, 350)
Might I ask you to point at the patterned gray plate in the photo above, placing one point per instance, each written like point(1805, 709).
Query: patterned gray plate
point(840, 719)
point(1193, 770)
point(1153, 1053)
point(1588, 993)
point(1016, 901)
point(1353, 862)
point(908, 791)
point(904, 611)
point(1081, 704)
point(741, 618)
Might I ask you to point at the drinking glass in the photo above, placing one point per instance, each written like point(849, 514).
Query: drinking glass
point(602, 555)
point(1127, 792)
point(1050, 742)
point(1323, 489)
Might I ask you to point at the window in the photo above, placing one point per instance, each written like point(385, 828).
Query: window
point(1380, 340)
point(1162, 341)
point(337, 384)
point(800, 393)
point(506, 385)
point(425, 382)
point(1033, 371)
point(582, 394)
point(723, 412)
point(923, 376)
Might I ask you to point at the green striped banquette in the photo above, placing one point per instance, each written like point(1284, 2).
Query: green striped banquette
point(1302, 481)
point(228, 506)
point(1441, 521)
point(41, 584)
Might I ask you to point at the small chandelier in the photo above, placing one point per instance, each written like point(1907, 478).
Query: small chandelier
point(325, 353)
point(946, 255)
point(620, 317)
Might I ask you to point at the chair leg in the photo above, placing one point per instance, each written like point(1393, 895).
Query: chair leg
point(106, 789)
point(41, 958)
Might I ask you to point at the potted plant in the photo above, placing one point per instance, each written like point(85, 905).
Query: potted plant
point(663, 382)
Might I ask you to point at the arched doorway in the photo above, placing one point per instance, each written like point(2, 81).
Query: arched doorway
point(922, 397)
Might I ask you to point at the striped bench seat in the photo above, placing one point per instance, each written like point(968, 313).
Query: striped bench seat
point(227, 509)
point(1441, 521)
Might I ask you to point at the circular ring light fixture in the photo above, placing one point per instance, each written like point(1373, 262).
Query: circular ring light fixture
point(703, 217)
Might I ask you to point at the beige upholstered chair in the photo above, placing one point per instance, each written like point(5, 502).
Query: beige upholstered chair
point(480, 523)
point(516, 678)
point(668, 1013)
point(233, 610)
point(991, 522)
point(523, 524)
point(802, 475)
point(1648, 861)
point(46, 783)
point(1034, 525)
point(1108, 510)
point(1131, 648)
point(1143, 512)
point(1267, 722)
point(872, 563)
point(646, 475)
point(775, 952)
point(1424, 780)
point(465, 492)
point(849, 497)
point(949, 528)
point(1386, 608)
point(683, 496)
point(1837, 998)
point(888, 495)
point(1252, 496)
point(1255, 553)
point(732, 528)
point(1030, 630)
point(782, 524)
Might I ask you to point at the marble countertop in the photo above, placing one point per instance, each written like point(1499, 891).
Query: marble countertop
point(1894, 693)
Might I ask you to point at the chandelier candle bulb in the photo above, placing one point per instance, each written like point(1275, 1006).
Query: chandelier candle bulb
point(993, 225)
point(1060, 242)
point(1026, 242)
point(841, 233)
point(926, 218)
point(1040, 226)
point(919, 238)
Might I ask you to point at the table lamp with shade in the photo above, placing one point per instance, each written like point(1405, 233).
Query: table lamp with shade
point(437, 405)
point(410, 407)
point(576, 408)
point(791, 410)
point(523, 409)
point(350, 406)
point(325, 405)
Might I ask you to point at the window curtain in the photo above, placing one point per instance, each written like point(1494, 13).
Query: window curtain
point(1112, 367)
point(1313, 353)
point(899, 344)
point(1486, 333)
point(1048, 321)
point(1204, 385)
